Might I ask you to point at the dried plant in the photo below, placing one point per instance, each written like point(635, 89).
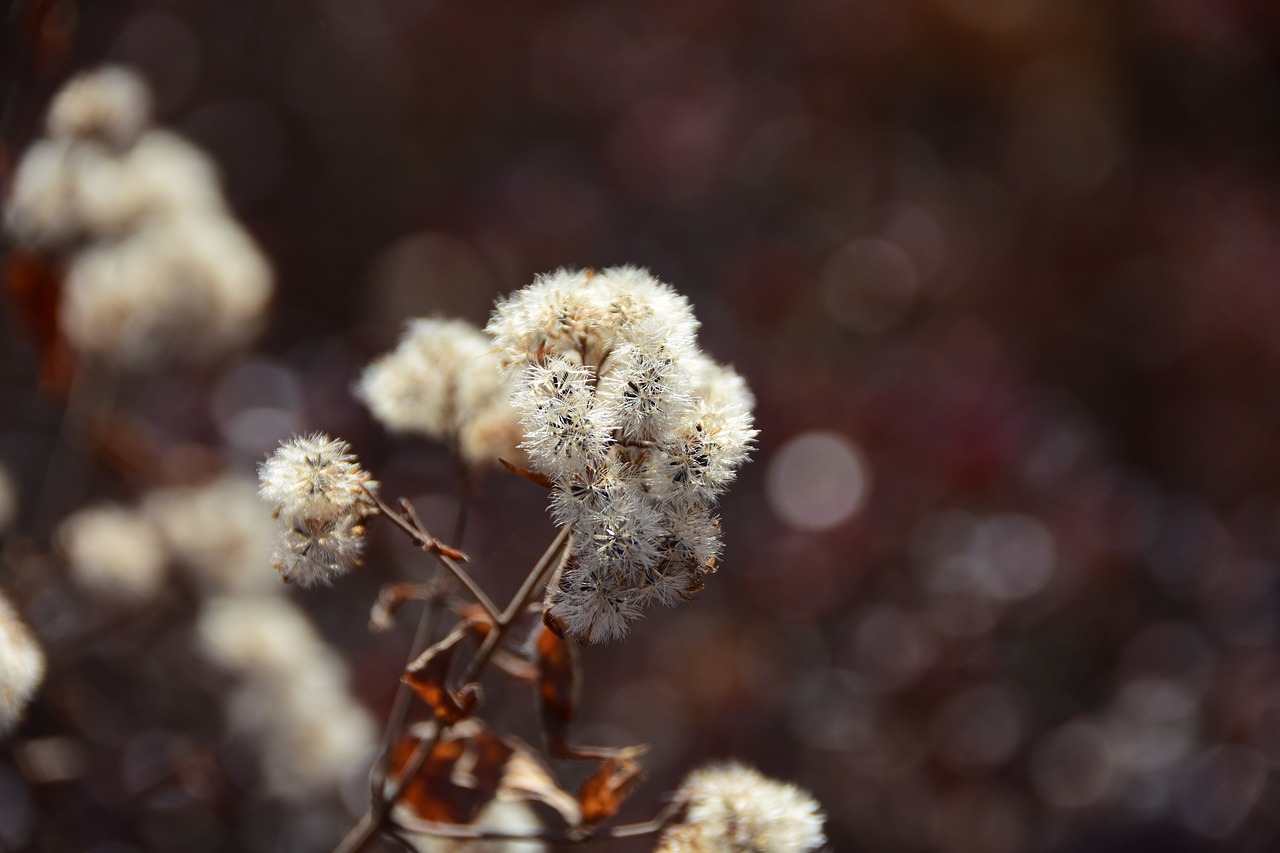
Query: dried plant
point(635, 433)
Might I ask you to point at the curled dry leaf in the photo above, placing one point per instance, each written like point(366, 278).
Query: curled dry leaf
point(557, 697)
point(391, 598)
point(460, 776)
point(467, 768)
point(605, 790)
point(429, 674)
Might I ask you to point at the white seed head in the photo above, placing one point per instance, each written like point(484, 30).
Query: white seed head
point(700, 458)
point(637, 430)
point(315, 477)
point(316, 552)
point(593, 606)
point(218, 532)
point(648, 390)
point(732, 807)
point(114, 553)
point(110, 104)
point(46, 205)
point(565, 431)
point(190, 287)
point(22, 667)
point(292, 699)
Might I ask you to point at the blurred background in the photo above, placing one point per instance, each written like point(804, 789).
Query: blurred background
point(1004, 275)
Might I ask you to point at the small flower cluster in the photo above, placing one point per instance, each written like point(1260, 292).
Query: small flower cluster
point(155, 265)
point(444, 381)
point(637, 429)
point(22, 666)
point(321, 497)
point(732, 807)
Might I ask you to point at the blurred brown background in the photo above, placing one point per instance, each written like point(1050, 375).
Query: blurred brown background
point(1003, 274)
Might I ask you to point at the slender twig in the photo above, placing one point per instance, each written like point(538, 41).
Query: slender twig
point(433, 546)
point(557, 548)
point(374, 819)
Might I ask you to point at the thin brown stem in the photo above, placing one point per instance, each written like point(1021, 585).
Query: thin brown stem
point(558, 548)
point(433, 546)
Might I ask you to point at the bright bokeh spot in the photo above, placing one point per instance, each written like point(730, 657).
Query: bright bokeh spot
point(817, 481)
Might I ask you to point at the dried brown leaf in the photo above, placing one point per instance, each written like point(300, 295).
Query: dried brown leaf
point(605, 790)
point(532, 476)
point(557, 699)
point(428, 676)
point(391, 598)
point(461, 775)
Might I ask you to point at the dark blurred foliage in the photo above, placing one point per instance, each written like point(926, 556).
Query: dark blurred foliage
point(1007, 273)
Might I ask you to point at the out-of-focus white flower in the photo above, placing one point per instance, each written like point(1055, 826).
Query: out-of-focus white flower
point(444, 381)
point(732, 807)
point(22, 666)
point(114, 553)
point(110, 104)
point(292, 697)
point(156, 267)
point(218, 532)
point(321, 495)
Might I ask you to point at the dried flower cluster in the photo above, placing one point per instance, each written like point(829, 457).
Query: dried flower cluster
point(638, 431)
point(292, 698)
point(155, 265)
point(732, 807)
point(216, 532)
point(443, 381)
point(321, 497)
point(21, 666)
point(114, 553)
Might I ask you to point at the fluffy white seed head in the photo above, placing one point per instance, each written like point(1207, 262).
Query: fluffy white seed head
point(648, 389)
point(156, 267)
point(218, 533)
point(414, 388)
point(46, 207)
point(315, 477)
point(638, 431)
point(565, 430)
point(582, 315)
point(444, 381)
point(22, 667)
point(732, 807)
point(292, 699)
point(111, 104)
point(592, 605)
point(114, 553)
point(316, 552)
point(701, 457)
point(190, 287)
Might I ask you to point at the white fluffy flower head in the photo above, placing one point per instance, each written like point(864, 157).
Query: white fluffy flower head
point(22, 666)
point(443, 380)
point(321, 496)
point(732, 807)
point(638, 431)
